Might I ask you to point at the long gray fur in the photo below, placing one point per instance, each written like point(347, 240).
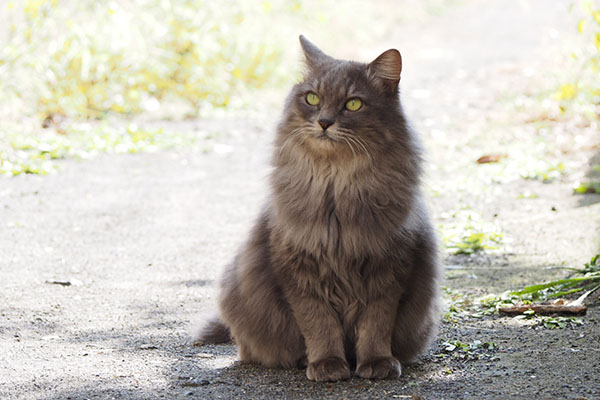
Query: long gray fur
point(340, 271)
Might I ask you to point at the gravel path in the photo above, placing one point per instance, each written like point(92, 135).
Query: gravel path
point(105, 264)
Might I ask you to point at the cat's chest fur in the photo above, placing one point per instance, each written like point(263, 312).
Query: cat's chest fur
point(331, 211)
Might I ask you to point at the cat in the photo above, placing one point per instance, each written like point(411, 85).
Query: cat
point(341, 267)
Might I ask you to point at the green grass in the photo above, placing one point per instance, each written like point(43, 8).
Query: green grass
point(466, 232)
point(475, 350)
point(586, 280)
point(87, 59)
point(587, 187)
point(583, 88)
point(81, 62)
point(29, 152)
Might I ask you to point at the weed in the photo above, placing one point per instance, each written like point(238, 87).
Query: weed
point(458, 350)
point(587, 187)
point(467, 233)
point(546, 172)
point(26, 152)
point(584, 88)
point(527, 195)
point(549, 322)
point(587, 279)
point(462, 307)
point(128, 58)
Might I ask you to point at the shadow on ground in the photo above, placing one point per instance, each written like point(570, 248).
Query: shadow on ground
point(521, 355)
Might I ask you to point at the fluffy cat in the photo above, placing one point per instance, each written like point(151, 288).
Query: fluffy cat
point(340, 269)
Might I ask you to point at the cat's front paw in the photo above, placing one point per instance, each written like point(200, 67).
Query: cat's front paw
point(379, 368)
point(328, 370)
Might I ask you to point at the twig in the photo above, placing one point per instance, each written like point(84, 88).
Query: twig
point(545, 309)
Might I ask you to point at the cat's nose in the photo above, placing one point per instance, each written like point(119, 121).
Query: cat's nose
point(325, 123)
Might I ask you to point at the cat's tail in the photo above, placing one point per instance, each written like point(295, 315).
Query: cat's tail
point(210, 329)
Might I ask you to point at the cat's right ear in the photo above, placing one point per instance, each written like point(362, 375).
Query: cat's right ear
point(386, 69)
point(312, 54)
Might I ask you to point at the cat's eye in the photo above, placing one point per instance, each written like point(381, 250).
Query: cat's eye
point(353, 104)
point(313, 99)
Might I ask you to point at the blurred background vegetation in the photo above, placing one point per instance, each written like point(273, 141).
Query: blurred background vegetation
point(585, 84)
point(63, 62)
point(84, 59)
point(65, 65)
point(69, 69)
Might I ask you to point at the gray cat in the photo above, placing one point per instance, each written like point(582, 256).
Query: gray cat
point(340, 269)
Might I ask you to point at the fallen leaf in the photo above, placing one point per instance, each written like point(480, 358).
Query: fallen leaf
point(491, 158)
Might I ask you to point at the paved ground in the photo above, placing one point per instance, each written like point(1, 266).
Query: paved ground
point(141, 239)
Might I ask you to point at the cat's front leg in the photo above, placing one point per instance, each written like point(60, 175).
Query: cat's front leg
point(323, 338)
point(319, 323)
point(374, 342)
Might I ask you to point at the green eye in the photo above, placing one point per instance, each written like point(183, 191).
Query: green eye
point(353, 104)
point(312, 99)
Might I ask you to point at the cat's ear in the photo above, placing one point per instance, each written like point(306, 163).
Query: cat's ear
point(313, 55)
point(386, 68)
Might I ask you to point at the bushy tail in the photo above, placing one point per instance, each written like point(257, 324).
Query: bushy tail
point(210, 329)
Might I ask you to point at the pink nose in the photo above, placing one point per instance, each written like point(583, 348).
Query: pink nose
point(325, 123)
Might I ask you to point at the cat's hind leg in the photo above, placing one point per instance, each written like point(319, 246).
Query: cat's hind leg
point(418, 311)
point(255, 310)
point(261, 323)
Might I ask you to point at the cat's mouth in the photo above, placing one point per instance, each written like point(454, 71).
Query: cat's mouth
point(325, 136)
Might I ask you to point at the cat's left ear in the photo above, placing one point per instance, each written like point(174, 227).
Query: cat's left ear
point(312, 54)
point(386, 69)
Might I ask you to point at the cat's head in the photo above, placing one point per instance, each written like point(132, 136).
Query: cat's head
point(343, 108)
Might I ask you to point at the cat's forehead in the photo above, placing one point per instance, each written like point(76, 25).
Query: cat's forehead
point(338, 79)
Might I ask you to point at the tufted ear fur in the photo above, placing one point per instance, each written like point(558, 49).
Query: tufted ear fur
point(386, 68)
point(313, 55)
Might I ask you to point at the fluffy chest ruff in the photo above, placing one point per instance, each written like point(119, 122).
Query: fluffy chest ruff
point(335, 234)
point(332, 212)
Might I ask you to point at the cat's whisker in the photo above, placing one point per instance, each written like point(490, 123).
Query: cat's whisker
point(349, 143)
point(362, 144)
point(344, 133)
point(291, 138)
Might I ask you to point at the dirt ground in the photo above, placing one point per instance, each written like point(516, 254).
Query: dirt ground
point(141, 239)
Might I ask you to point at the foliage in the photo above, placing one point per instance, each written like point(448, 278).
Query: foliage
point(527, 195)
point(559, 322)
point(466, 233)
point(70, 61)
point(88, 58)
point(31, 153)
point(586, 86)
point(463, 307)
point(550, 322)
point(587, 279)
point(84, 59)
point(587, 187)
point(546, 173)
point(475, 350)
